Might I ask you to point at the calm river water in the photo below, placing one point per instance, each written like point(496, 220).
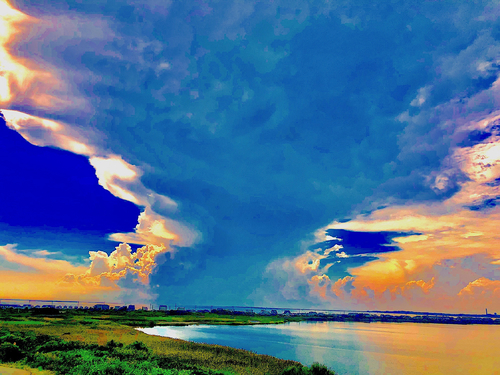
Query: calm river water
point(362, 348)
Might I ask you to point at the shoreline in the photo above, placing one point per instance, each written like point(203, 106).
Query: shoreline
point(98, 330)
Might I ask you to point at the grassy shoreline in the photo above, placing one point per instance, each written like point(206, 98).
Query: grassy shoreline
point(92, 332)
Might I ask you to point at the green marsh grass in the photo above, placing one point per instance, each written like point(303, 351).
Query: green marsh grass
point(135, 352)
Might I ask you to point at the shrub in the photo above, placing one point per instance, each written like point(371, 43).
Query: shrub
point(138, 345)
point(57, 345)
point(319, 369)
point(295, 370)
point(315, 369)
point(10, 352)
point(113, 344)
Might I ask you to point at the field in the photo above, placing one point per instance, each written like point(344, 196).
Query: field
point(110, 340)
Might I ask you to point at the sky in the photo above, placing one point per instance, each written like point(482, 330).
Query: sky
point(304, 154)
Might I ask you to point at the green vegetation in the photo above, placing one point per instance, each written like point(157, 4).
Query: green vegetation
point(93, 342)
point(315, 369)
point(73, 357)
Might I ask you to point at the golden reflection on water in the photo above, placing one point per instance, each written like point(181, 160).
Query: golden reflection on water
point(410, 348)
point(363, 348)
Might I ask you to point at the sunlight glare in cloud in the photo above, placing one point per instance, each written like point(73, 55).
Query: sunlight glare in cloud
point(20, 81)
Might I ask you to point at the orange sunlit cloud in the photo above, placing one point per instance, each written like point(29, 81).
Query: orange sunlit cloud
point(158, 230)
point(450, 263)
point(21, 81)
point(37, 264)
point(413, 272)
point(35, 276)
point(108, 270)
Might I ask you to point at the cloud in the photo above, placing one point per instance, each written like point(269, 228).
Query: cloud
point(446, 250)
point(120, 269)
point(307, 276)
point(19, 79)
point(45, 132)
point(413, 289)
point(242, 128)
point(33, 275)
point(114, 174)
point(37, 264)
point(343, 287)
point(122, 179)
point(358, 242)
point(483, 289)
point(122, 275)
point(156, 229)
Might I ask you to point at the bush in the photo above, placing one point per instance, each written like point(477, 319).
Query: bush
point(57, 345)
point(315, 369)
point(10, 352)
point(137, 345)
point(318, 369)
point(113, 344)
point(295, 370)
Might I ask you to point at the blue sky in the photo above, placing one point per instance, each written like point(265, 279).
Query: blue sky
point(247, 136)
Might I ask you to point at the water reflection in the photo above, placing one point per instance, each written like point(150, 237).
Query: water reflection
point(362, 348)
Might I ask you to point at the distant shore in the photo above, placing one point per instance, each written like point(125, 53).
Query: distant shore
point(436, 319)
point(146, 318)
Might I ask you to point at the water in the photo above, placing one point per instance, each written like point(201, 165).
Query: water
point(361, 348)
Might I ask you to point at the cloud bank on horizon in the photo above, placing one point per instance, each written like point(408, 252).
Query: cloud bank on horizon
point(308, 153)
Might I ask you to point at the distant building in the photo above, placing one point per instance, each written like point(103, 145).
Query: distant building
point(144, 308)
point(131, 308)
point(101, 307)
point(163, 308)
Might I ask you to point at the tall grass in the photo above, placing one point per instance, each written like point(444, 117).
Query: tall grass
point(87, 341)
